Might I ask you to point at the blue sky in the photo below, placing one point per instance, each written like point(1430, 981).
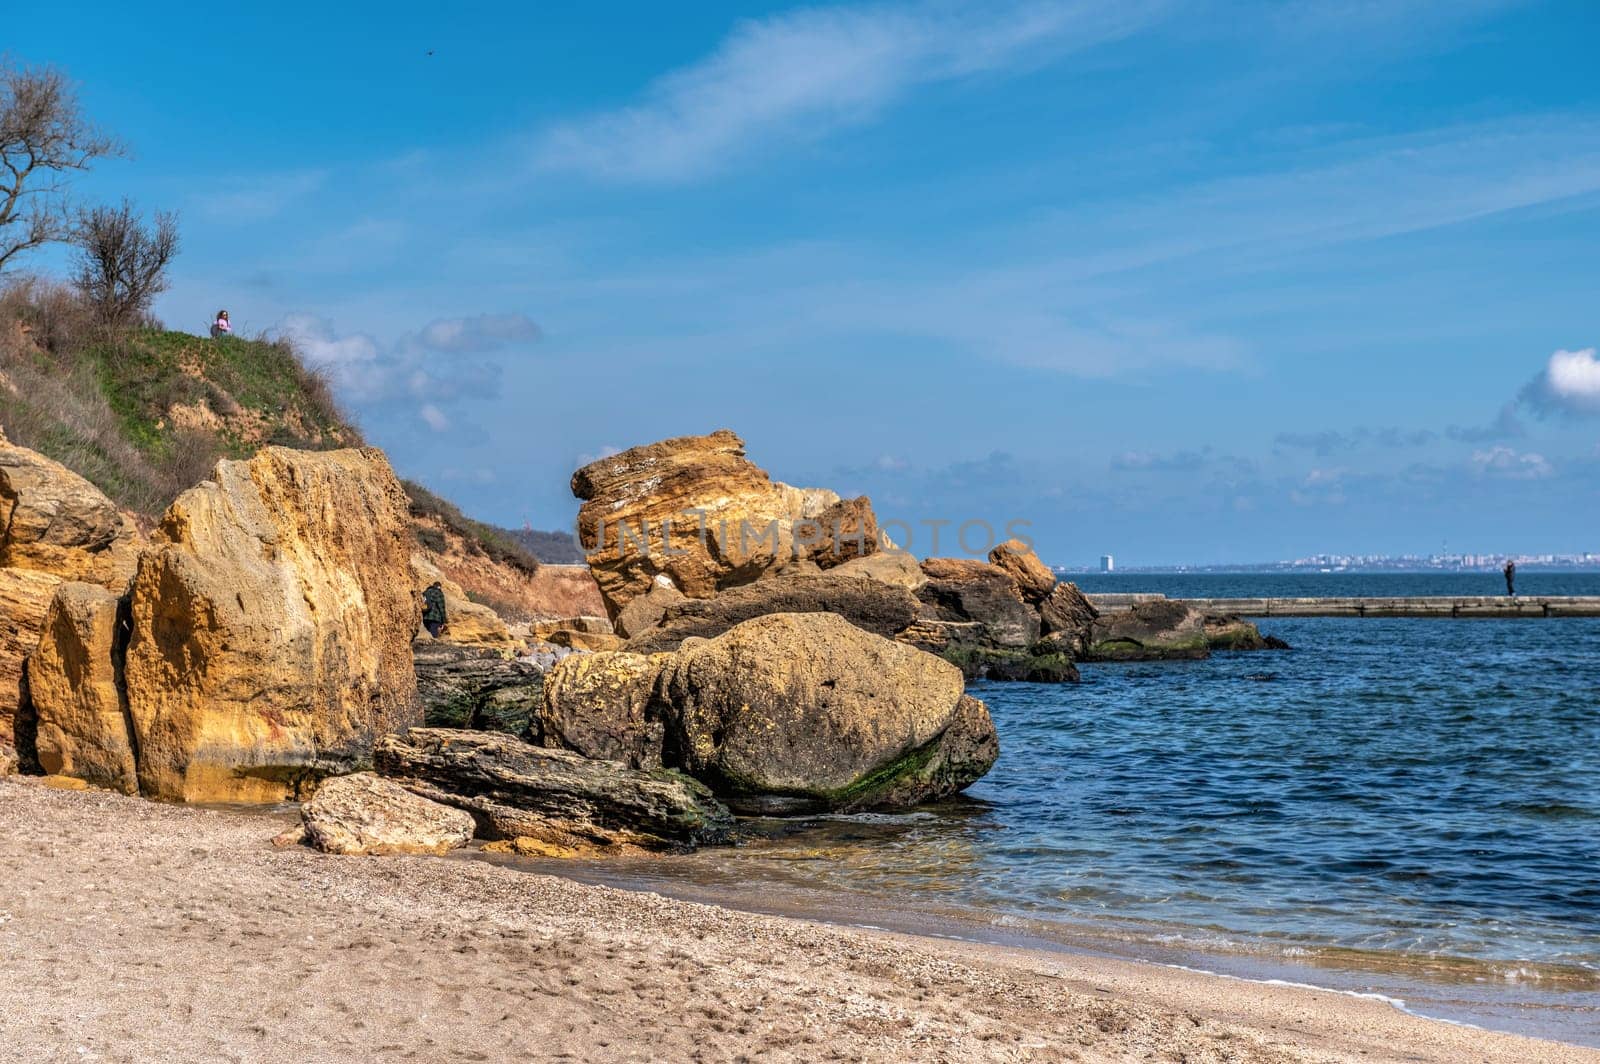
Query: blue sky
point(1187, 282)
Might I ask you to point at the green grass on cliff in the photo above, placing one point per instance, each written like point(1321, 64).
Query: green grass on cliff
point(144, 413)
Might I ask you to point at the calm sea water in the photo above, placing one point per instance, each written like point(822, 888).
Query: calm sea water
point(1409, 807)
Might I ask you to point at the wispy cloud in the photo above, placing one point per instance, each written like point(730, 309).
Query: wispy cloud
point(1516, 465)
point(1150, 462)
point(426, 366)
point(1330, 442)
point(1505, 426)
point(257, 198)
point(1568, 384)
point(806, 72)
point(486, 332)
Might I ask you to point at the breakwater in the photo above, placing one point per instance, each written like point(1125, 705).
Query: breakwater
point(1436, 606)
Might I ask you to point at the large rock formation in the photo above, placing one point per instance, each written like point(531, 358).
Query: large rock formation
point(54, 521)
point(479, 688)
point(605, 706)
point(697, 511)
point(794, 713)
point(514, 790)
point(868, 604)
point(367, 814)
point(75, 680)
point(271, 631)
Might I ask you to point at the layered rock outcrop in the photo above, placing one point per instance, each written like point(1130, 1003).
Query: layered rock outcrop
point(1033, 577)
point(695, 510)
point(969, 591)
point(271, 630)
point(558, 798)
point(478, 688)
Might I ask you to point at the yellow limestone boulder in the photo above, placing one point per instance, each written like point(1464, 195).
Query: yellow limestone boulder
point(54, 521)
point(271, 632)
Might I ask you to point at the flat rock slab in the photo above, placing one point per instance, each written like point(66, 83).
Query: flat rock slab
point(367, 814)
point(514, 789)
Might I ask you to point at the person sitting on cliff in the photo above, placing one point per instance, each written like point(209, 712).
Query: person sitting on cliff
point(433, 615)
point(222, 326)
point(1511, 577)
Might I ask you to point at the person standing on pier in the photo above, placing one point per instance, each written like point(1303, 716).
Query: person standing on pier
point(1511, 577)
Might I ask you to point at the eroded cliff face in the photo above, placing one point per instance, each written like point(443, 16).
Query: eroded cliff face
point(696, 510)
point(270, 635)
point(54, 527)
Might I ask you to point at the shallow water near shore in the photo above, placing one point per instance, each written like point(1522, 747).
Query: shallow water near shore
point(1407, 808)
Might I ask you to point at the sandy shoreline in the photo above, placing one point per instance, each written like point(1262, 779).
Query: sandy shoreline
point(131, 931)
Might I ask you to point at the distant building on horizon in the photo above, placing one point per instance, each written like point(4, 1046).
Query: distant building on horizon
point(1107, 563)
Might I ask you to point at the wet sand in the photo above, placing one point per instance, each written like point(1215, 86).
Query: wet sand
point(131, 931)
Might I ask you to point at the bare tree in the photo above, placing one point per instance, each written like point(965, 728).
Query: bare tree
point(122, 263)
point(43, 136)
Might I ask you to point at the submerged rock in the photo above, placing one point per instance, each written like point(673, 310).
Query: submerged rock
point(366, 814)
point(271, 631)
point(794, 713)
point(479, 688)
point(515, 790)
point(1165, 629)
point(868, 604)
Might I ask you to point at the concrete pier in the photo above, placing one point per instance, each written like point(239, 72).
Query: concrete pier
point(1472, 606)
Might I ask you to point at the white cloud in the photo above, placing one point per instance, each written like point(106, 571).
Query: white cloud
point(1570, 384)
point(1516, 465)
point(354, 361)
point(434, 417)
point(808, 71)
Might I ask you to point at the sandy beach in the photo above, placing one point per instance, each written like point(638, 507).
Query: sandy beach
point(132, 931)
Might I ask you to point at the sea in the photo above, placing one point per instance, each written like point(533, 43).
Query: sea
point(1401, 808)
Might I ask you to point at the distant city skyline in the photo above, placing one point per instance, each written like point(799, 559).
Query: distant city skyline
point(1406, 562)
point(1181, 283)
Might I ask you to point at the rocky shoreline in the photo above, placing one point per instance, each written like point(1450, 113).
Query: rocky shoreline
point(137, 931)
point(767, 650)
